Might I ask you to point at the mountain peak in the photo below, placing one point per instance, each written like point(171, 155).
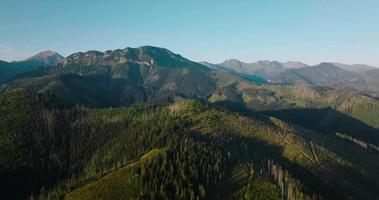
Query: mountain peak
point(265, 62)
point(47, 57)
point(293, 65)
point(233, 60)
point(233, 63)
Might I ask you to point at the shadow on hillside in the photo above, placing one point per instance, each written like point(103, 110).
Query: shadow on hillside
point(325, 120)
point(233, 106)
point(330, 121)
point(244, 111)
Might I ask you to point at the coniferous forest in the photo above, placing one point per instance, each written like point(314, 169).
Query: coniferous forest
point(184, 149)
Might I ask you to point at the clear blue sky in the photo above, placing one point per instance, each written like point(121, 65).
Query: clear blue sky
point(310, 31)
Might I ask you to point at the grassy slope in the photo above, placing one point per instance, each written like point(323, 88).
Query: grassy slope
point(118, 184)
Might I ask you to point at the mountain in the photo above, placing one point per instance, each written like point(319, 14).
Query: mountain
point(264, 68)
point(324, 74)
point(114, 63)
point(128, 75)
point(251, 78)
point(357, 68)
point(47, 58)
point(9, 70)
point(334, 75)
point(146, 123)
point(293, 65)
point(361, 78)
point(366, 82)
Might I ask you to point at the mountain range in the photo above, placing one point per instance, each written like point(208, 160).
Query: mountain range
point(264, 68)
point(335, 75)
point(146, 123)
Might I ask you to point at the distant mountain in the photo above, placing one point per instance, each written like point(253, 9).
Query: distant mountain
point(293, 65)
point(334, 75)
point(47, 58)
point(249, 77)
point(367, 82)
point(359, 77)
point(264, 68)
point(324, 74)
point(11, 69)
point(357, 68)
